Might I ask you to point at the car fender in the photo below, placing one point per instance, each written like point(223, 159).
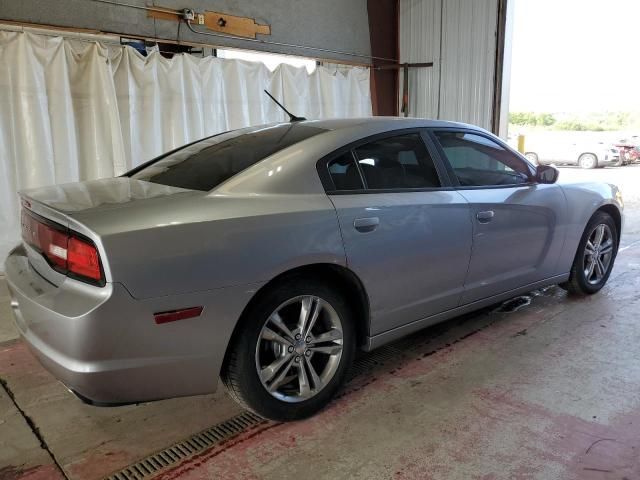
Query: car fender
point(583, 200)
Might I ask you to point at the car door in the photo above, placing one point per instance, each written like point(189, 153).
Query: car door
point(407, 234)
point(550, 149)
point(517, 223)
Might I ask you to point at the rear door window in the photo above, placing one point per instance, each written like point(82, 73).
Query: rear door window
point(398, 162)
point(344, 173)
point(205, 165)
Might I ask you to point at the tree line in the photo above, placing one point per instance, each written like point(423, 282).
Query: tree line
point(595, 122)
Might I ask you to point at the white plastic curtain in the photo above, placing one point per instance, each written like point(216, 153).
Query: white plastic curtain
point(73, 110)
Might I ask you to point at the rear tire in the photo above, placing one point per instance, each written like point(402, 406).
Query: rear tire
point(588, 160)
point(595, 257)
point(294, 374)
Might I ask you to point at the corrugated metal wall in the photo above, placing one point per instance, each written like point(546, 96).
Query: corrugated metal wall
point(420, 42)
point(459, 37)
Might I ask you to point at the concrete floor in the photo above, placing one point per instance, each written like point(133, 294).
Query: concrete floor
point(551, 390)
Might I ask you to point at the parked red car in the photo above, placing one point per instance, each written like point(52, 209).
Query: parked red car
point(629, 153)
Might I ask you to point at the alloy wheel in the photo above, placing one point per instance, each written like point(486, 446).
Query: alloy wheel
point(598, 253)
point(299, 348)
point(588, 161)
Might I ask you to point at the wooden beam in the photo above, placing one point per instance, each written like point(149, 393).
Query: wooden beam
point(233, 25)
point(217, 21)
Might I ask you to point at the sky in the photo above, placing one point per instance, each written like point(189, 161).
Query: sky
point(576, 56)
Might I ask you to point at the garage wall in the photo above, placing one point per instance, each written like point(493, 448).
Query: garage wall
point(460, 37)
point(332, 24)
point(420, 42)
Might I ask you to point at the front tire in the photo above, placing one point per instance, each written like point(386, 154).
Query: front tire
point(588, 160)
point(594, 259)
point(293, 352)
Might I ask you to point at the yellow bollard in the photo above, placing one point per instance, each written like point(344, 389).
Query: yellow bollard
point(521, 143)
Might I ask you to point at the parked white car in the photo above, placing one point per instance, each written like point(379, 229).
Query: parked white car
point(585, 155)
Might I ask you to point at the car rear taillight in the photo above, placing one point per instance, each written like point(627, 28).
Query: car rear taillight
point(83, 259)
point(66, 251)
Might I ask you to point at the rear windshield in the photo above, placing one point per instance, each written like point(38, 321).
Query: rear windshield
point(206, 164)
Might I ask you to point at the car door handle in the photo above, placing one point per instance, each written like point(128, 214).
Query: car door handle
point(366, 224)
point(486, 216)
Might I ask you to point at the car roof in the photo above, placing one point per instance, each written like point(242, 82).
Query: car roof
point(300, 175)
point(376, 122)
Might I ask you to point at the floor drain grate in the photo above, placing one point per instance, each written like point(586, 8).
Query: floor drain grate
point(371, 360)
point(215, 435)
point(208, 438)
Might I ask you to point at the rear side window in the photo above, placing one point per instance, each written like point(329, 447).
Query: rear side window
point(205, 165)
point(397, 162)
point(344, 173)
point(479, 161)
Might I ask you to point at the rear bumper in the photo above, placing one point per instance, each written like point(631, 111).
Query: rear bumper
point(105, 345)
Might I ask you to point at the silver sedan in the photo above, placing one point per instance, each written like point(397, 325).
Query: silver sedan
point(266, 256)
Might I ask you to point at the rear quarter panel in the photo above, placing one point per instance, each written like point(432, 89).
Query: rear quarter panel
point(195, 244)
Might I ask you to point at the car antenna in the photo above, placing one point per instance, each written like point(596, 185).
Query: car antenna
point(292, 117)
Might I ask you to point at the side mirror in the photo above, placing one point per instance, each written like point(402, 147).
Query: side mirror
point(547, 174)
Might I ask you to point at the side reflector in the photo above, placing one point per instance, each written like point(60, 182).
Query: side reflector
point(173, 315)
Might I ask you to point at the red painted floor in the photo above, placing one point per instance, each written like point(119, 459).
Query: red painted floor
point(547, 392)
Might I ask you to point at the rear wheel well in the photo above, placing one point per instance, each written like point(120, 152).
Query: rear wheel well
point(583, 154)
point(336, 276)
point(615, 214)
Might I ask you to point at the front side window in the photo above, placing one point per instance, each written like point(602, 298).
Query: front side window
point(397, 162)
point(479, 161)
point(206, 164)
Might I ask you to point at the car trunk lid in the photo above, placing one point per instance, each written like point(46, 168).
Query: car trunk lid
point(72, 198)
point(50, 220)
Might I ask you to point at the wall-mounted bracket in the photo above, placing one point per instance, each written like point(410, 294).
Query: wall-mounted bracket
point(233, 25)
point(217, 21)
point(405, 86)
